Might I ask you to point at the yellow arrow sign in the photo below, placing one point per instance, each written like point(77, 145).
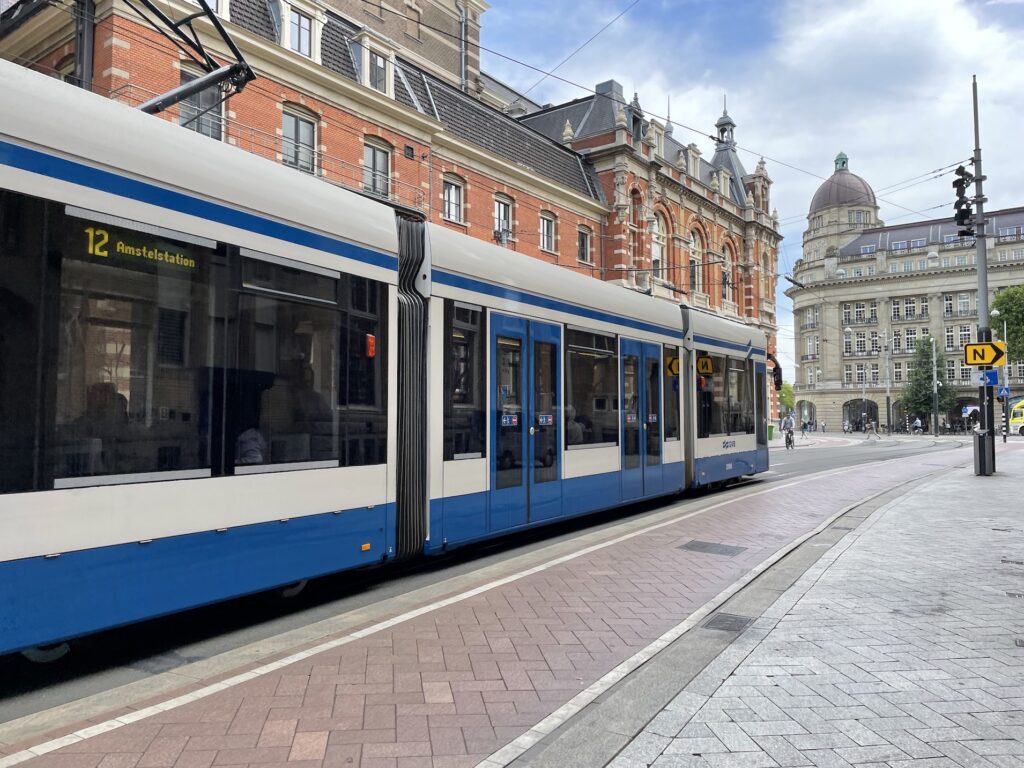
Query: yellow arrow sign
point(985, 353)
point(672, 364)
point(705, 366)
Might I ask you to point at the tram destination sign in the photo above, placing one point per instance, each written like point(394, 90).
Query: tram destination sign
point(985, 353)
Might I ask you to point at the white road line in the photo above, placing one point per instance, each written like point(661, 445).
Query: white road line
point(209, 690)
point(577, 703)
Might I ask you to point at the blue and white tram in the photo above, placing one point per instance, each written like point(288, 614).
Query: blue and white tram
point(218, 376)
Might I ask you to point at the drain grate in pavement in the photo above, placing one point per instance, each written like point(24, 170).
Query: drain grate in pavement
point(1018, 595)
point(711, 548)
point(728, 622)
point(1004, 561)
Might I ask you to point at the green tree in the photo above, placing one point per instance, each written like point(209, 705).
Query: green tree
point(787, 400)
point(917, 392)
point(1010, 303)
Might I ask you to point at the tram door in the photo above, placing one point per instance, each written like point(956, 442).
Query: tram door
point(526, 473)
point(641, 419)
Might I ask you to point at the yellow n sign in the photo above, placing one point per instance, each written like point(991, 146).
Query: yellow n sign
point(985, 353)
point(705, 366)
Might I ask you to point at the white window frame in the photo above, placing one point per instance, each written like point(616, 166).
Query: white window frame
point(547, 232)
point(317, 20)
point(368, 42)
point(373, 150)
point(459, 186)
point(503, 225)
point(588, 238)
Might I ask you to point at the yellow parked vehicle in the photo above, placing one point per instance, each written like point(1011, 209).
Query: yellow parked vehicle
point(1017, 419)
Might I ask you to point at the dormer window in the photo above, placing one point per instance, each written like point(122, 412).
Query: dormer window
point(378, 74)
point(300, 24)
point(374, 60)
point(300, 36)
point(219, 7)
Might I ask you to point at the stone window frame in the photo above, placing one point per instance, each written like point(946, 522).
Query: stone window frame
point(547, 241)
point(317, 18)
point(458, 182)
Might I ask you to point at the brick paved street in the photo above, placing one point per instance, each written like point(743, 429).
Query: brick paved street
point(898, 648)
point(453, 683)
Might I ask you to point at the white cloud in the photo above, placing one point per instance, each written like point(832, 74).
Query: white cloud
point(887, 82)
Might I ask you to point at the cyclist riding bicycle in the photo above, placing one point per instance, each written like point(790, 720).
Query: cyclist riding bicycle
point(787, 428)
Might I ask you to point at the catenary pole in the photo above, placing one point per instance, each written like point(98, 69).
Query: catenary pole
point(985, 462)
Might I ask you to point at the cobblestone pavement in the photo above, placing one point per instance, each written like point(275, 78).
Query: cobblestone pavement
point(898, 648)
point(451, 683)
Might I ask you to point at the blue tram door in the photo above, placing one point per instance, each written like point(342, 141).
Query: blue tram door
point(641, 419)
point(526, 476)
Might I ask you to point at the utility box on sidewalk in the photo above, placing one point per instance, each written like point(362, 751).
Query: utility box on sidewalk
point(984, 454)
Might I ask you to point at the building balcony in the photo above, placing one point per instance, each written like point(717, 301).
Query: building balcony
point(967, 243)
point(700, 300)
point(315, 162)
point(862, 353)
point(862, 321)
point(808, 326)
point(910, 319)
point(814, 356)
point(730, 308)
point(960, 313)
point(1011, 238)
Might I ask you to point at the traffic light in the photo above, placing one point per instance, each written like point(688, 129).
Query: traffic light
point(964, 215)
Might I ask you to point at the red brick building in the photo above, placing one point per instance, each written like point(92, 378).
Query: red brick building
point(382, 97)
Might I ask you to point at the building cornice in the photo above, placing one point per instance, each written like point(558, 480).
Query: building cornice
point(483, 162)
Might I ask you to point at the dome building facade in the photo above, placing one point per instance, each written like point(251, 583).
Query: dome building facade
point(866, 293)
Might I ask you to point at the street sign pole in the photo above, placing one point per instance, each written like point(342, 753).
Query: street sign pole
point(984, 444)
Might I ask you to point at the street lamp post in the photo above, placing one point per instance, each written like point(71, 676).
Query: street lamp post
point(1006, 379)
point(935, 389)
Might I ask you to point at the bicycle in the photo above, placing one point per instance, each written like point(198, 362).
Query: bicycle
point(790, 441)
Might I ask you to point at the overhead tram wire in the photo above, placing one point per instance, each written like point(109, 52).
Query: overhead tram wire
point(589, 40)
point(72, 11)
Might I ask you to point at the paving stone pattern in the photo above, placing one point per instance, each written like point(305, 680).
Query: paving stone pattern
point(896, 649)
point(452, 686)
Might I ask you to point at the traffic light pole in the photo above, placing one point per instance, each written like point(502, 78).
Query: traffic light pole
point(984, 444)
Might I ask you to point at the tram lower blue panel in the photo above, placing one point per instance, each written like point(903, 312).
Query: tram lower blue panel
point(591, 493)
point(713, 469)
point(762, 459)
point(44, 600)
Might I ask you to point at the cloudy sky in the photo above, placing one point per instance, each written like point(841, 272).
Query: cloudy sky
point(886, 81)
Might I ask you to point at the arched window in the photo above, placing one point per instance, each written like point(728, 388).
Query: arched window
point(728, 289)
point(658, 230)
point(696, 265)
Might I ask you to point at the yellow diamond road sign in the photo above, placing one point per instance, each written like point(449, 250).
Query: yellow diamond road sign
point(985, 353)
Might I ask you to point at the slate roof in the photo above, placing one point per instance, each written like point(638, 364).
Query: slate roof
point(462, 115)
point(595, 115)
point(507, 93)
point(933, 231)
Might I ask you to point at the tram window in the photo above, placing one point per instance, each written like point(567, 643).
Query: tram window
point(749, 398)
point(712, 398)
point(740, 409)
point(591, 386)
point(285, 383)
point(671, 392)
point(464, 382)
point(133, 353)
point(362, 394)
point(22, 235)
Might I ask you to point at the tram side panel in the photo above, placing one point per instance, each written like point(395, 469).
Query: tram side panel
point(197, 437)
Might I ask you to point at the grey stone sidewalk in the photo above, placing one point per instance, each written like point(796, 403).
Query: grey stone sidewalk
point(898, 648)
